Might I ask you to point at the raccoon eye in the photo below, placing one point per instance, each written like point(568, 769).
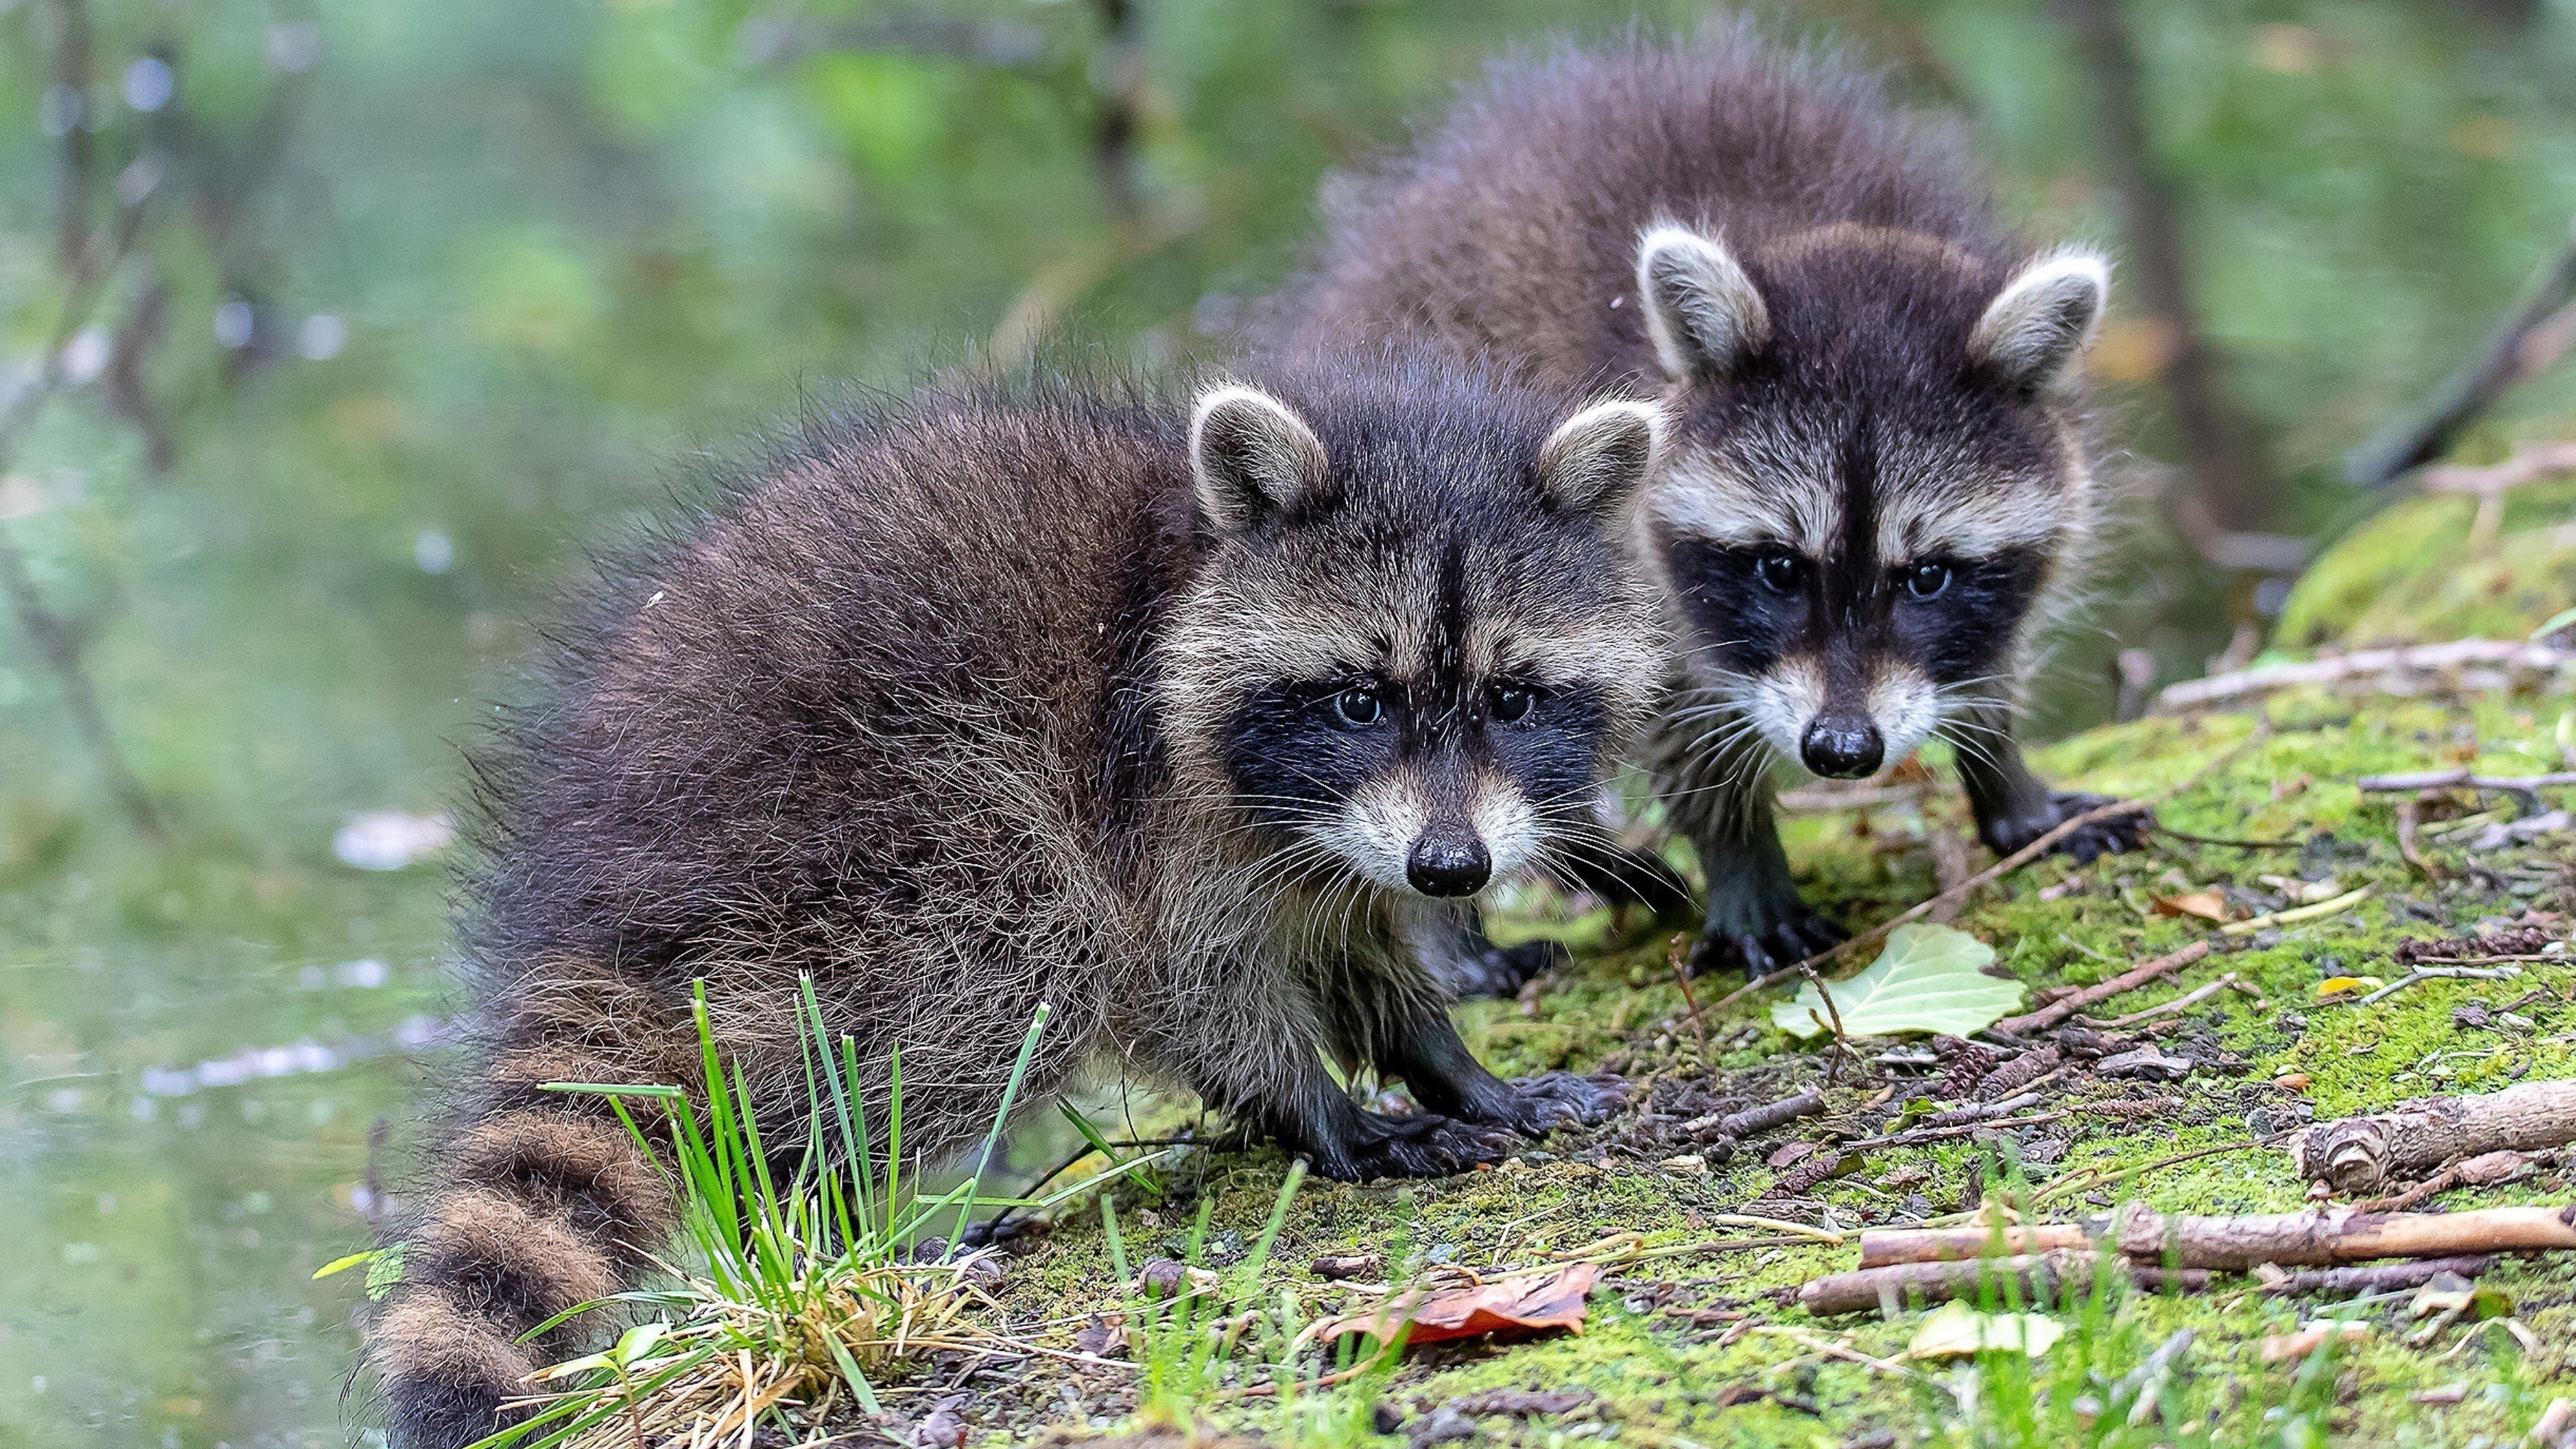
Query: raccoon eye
point(1924, 580)
point(1359, 706)
point(1780, 572)
point(1512, 704)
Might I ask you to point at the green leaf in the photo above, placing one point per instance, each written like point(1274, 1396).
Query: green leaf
point(342, 1265)
point(384, 1270)
point(1956, 1331)
point(1926, 980)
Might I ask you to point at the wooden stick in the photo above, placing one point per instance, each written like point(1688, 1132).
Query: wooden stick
point(2360, 1155)
point(2307, 1239)
point(2184, 1002)
point(2337, 1235)
point(2042, 1280)
point(2373, 1278)
point(1884, 1246)
point(2252, 924)
point(1754, 1121)
point(2511, 656)
point(2129, 980)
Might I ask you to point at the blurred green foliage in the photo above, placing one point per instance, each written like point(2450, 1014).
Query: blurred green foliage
point(429, 294)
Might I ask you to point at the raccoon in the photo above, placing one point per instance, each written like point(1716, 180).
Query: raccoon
point(1203, 723)
point(1878, 486)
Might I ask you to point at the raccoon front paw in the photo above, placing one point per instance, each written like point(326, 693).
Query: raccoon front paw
point(1759, 953)
point(1541, 1104)
point(1503, 970)
point(2102, 837)
point(1421, 1144)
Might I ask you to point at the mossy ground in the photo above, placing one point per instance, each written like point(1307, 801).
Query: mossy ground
point(1656, 1350)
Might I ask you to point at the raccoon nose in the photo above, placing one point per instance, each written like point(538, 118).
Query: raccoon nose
point(1842, 746)
point(1449, 863)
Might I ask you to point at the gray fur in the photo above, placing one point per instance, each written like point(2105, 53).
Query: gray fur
point(1871, 379)
point(949, 711)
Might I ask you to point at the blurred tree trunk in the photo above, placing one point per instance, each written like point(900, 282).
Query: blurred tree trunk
point(2230, 489)
point(71, 102)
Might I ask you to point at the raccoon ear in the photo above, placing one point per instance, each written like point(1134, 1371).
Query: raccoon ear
point(1594, 461)
point(2044, 317)
point(1703, 313)
point(1250, 456)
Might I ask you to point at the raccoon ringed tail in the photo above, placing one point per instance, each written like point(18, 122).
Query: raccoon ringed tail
point(538, 1206)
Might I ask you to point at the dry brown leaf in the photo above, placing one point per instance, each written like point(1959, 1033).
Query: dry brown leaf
point(1529, 1304)
point(2280, 1346)
point(2207, 905)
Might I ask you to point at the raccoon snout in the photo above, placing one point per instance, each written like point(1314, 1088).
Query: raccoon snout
point(1842, 746)
point(1449, 863)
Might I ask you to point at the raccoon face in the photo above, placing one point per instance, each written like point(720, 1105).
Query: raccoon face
point(1416, 641)
point(1876, 472)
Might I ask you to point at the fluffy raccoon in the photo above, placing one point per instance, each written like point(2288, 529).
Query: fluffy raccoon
point(1878, 482)
point(1199, 721)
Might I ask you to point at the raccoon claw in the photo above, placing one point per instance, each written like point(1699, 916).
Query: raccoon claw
point(2102, 837)
point(1419, 1145)
point(1560, 1099)
point(1759, 953)
point(1503, 970)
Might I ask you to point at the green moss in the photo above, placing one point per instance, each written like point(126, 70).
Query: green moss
point(2280, 772)
point(2409, 574)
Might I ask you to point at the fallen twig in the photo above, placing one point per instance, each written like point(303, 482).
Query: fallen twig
point(2098, 1174)
point(1754, 1121)
point(2425, 973)
point(2368, 1278)
point(2039, 1279)
point(2359, 1155)
point(2129, 980)
point(2184, 1002)
point(2525, 788)
point(2411, 849)
point(2306, 1239)
point(2252, 924)
point(2336, 1235)
point(2507, 656)
point(1679, 954)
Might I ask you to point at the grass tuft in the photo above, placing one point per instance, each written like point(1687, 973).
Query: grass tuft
point(790, 1301)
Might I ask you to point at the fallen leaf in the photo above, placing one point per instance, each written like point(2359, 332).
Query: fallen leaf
point(1789, 1153)
point(2146, 1063)
point(2334, 987)
point(2489, 1168)
point(2208, 905)
point(1104, 1332)
point(1928, 979)
point(1532, 1303)
point(2449, 1294)
point(1957, 1331)
point(1339, 1266)
point(2279, 1346)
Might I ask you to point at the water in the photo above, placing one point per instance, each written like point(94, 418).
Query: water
point(185, 1136)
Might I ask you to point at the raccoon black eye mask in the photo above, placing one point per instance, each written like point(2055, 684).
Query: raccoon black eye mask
point(1877, 489)
point(1200, 721)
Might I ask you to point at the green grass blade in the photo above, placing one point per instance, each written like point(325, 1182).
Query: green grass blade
point(1001, 1116)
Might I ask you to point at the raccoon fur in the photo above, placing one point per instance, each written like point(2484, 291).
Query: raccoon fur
point(1878, 486)
point(1201, 722)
